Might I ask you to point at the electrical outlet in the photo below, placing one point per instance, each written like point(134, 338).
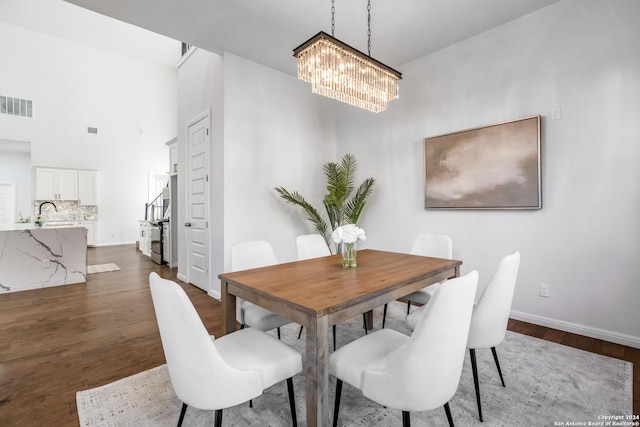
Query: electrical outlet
point(556, 114)
point(45, 263)
point(544, 290)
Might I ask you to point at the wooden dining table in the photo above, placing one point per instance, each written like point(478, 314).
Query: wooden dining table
point(318, 293)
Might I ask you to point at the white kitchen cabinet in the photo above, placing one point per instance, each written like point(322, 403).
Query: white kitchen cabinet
point(46, 184)
point(56, 184)
point(87, 188)
point(67, 184)
point(145, 238)
point(91, 232)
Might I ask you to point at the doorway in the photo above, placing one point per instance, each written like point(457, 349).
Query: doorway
point(7, 205)
point(197, 215)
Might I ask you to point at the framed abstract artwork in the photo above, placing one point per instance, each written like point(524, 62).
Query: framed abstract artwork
point(490, 167)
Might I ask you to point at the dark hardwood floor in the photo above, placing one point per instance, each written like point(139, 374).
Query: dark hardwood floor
point(57, 341)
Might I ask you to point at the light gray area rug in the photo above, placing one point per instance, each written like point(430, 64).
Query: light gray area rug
point(102, 268)
point(547, 383)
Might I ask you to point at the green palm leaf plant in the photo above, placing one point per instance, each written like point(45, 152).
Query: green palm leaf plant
point(341, 204)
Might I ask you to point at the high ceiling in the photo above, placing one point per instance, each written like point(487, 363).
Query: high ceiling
point(266, 31)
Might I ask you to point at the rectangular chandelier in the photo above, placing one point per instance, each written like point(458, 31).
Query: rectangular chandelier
point(338, 71)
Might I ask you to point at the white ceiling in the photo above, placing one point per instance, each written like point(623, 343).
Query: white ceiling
point(266, 31)
point(66, 21)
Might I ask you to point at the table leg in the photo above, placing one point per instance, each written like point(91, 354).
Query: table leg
point(228, 309)
point(368, 320)
point(317, 373)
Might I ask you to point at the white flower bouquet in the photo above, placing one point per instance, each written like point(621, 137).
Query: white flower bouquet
point(346, 236)
point(348, 233)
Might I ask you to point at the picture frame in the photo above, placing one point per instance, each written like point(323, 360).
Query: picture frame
point(489, 167)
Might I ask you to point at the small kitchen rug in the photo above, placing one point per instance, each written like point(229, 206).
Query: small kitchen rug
point(102, 268)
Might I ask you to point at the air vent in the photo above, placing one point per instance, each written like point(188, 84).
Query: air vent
point(92, 130)
point(16, 106)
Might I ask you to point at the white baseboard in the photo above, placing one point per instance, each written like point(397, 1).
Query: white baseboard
point(212, 294)
point(615, 337)
point(115, 243)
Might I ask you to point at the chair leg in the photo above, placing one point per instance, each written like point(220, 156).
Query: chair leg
point(364, 323)
point(300, 333)
point(336, 406)
point(448, 411)
point(476, 383)
point(495, 357)
point(384, 315)
point(218, 420)
point(292, 401)
point(334, 337)
point(182, 412)
point(278, 333)
point(406, 419)
point(408, 306)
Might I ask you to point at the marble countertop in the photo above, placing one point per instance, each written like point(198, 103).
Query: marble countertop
point(48, 224)
point(38, 257)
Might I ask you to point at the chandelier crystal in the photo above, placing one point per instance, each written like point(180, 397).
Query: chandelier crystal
point(338, 71)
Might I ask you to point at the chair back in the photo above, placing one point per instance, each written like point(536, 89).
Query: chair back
point(311, 246)
point(424, 373)
point(248, 255)
point(433, 245)
point(491, 314)
point(199, 375)
point(252, 254)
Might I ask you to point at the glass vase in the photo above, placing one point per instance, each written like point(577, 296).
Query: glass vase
point(349, 255)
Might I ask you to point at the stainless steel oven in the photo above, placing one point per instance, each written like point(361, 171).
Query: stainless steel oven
point(156, 243)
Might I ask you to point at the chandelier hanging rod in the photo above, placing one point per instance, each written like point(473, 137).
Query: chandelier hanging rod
point(324, 36)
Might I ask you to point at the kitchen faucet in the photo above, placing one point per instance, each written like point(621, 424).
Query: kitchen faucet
point(44, 203)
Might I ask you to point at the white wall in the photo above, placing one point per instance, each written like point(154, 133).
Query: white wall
point(277, 133)
point(273, 132)
point(580, 56)
point(200, 90)
point(73, 87)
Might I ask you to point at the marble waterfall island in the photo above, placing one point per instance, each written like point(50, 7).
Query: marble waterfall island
point(42, 257)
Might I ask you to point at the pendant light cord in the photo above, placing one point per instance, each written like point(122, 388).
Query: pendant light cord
point(369, 26)
point(333, 23)
point(333, 18)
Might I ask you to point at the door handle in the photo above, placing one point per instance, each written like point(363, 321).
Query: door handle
point(187, 224)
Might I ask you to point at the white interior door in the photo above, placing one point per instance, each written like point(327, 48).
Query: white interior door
point(7, 202)
point(198, 203)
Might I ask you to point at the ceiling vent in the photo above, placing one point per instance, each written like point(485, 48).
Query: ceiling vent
point(16, 106)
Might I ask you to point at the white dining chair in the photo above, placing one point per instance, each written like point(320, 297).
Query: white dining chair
point(216, 373)
point(245, 256)
point(490, 316)
point(431, 245)
point(314, 246)
point(311, 246)
point(416, 373)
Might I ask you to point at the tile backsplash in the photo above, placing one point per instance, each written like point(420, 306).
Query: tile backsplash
point(68, 210)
